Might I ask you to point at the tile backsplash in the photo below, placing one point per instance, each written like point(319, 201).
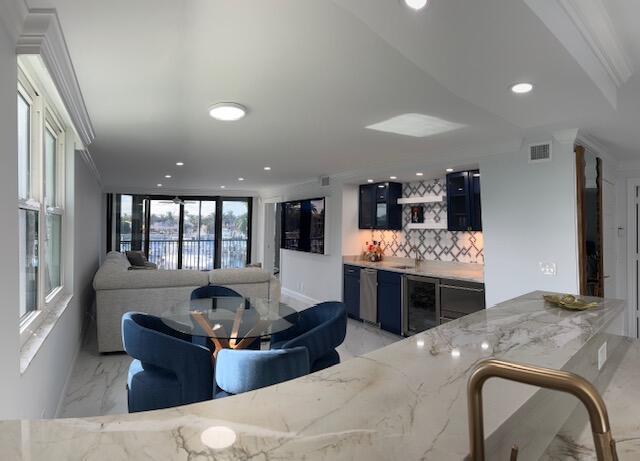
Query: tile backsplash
point(433, 244)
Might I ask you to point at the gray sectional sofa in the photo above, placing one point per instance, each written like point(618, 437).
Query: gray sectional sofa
point(120, 290)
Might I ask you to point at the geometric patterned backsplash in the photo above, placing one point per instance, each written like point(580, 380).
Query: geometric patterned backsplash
point(432, 244)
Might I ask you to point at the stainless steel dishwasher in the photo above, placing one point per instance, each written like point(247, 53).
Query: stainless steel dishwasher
point(369, 295)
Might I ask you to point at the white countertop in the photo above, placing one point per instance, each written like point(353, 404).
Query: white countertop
point(467, 272)
point(406, 401)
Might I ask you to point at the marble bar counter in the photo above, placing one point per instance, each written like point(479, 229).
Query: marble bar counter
point(467, 272)
point(406, 401)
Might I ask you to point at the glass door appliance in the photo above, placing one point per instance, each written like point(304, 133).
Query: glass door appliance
point(421, 304)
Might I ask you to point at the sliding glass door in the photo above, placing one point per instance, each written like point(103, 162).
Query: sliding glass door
point(164, 233)
point(235, 233)
point(197, 233)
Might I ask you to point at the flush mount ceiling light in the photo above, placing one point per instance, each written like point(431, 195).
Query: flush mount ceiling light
point(419, 174)
point(227, 111)
point(267, 168)
point(393, 177)
point(369, 181)
point(159, 185)
point(449, 170)
point(223, 187)
point(240, 179)
point(416, 125)
point(179, 164)
point(168, 176)
point(416, 4)
point(521, 88)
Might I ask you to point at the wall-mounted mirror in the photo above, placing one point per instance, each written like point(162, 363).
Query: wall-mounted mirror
point(589, 193)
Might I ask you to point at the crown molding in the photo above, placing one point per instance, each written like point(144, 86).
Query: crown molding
point(593, 21)
point(584, 28)
point(593, 145)
point(88, 160)
point(12, 14)
point(42, 35)
point(566, 136)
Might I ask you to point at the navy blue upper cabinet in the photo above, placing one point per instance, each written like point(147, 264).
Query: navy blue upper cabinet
point(463, 201)
point(378, 206)
point(476, 209)
point(366, 206)
point(390, 301)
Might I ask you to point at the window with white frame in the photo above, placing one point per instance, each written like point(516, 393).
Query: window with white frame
point(41, 153)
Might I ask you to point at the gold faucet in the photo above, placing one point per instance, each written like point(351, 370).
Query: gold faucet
point(542, 377)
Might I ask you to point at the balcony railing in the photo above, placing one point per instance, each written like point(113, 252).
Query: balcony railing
point(196, 254)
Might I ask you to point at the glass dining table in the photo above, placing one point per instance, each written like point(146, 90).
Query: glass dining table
point(230, 322)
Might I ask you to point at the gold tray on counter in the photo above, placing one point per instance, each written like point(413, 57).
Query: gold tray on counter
point(569, 302)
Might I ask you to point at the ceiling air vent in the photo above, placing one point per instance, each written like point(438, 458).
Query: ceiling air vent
point(539, 152)
point(325, 181)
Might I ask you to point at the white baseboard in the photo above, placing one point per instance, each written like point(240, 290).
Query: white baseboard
point(86, 323)
point(299, 297)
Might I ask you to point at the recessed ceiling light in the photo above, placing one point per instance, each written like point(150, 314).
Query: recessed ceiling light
point(419, 174)
point(369, 181)
point(449, 170)
point(159, 185)
point(393, 177)
point(267, 168)
point(240, 179)
point(227, 111)
point(168, 176)
point(522, 88)
point(416, 125)
point(416, 4)
point(179, 164)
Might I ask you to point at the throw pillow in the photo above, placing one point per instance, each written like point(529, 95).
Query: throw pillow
point(136, 258)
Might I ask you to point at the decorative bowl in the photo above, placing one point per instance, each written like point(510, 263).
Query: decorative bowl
point(569, 302)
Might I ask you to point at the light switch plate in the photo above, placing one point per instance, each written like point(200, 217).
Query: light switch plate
point(602, 355)
point(548, 268)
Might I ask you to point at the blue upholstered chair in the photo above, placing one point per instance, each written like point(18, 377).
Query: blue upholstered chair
point(213, 291)
point(239, 371)
point(320, 329)
point(168, 369)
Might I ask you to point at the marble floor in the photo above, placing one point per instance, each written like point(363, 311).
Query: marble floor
point(97, 383)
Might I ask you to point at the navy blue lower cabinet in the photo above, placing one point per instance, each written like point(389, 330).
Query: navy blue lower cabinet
point(390, 301)
point(351, 294)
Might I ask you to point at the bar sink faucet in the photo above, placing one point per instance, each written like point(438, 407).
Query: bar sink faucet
point(418, 256)
point(542, 377)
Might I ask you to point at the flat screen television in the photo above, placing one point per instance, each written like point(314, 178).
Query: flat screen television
point(303, 225)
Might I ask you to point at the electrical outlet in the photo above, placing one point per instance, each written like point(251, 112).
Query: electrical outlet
point(548, 268)
point(602, 355)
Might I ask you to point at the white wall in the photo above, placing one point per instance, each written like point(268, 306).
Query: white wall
point(529, 216)
point(38, 390)
point(310, 276)
point(10, 382)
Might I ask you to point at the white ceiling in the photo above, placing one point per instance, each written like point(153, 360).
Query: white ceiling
point(313, 75)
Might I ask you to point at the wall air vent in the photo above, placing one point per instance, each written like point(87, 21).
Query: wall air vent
point(325, 181)
point(539, 152)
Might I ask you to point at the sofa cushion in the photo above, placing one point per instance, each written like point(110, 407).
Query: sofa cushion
point(108, 279)
point(238, 276)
